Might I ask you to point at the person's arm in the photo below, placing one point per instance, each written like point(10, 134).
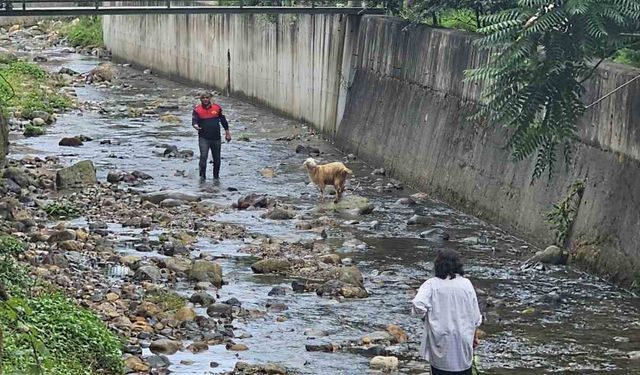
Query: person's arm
point(225, 125)
point(194, 120)
point(476, 316)
point(422, 301)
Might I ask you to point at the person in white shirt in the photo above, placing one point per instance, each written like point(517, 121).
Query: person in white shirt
point(449, 307)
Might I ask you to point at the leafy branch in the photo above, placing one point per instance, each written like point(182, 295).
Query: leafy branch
point(562, 215)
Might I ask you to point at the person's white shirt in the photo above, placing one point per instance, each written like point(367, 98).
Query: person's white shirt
point(449, 308)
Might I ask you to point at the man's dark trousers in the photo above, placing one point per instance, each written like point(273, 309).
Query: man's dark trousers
point(205, 145)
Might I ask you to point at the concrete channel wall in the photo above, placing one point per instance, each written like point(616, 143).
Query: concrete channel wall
point(394, 95)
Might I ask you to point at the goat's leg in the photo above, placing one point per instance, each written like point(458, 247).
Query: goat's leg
point(321, 193)
point(338, 192)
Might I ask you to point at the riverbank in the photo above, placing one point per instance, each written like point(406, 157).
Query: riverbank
point(130, 253)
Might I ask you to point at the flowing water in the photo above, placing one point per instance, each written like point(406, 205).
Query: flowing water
point(589, 329)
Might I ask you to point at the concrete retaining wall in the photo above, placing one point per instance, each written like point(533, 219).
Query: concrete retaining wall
point(291, 63)
point(394, 95)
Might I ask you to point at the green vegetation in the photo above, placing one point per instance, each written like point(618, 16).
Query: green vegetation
point(628, 56)
point(44, 331)
point(33, 131)
point(84, 32)
point(10, 245)
point(547, 51)
point(166, 300)
point(564, 212)
point(28, 88)
point(59, 210)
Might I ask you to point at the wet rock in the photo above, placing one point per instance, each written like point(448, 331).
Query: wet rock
point(634, 356)
point(149, 272)
point(237, 347)
point(71, 245)
point(202, 298)
point(170, 151)
point(62, 235)
point(311, 333)
point(420, 220)
point(278, 213)
point(405, 202)
point(243, 368)
point(178, 265)
point(70, 142)
point(10, 186)
point(398, 333)
point(68, 71)
point(435, 234)
point(298, 287)
point(276, 306)
point(384, 363)
point(207, 271)
point(552, 298)
point(19, 176)
point(198, 347)
point(233, 301)
point(341, 288)
point(114, 177)
point(252, 200)
point(308, 150)
point(379, 171)
point(352, 204)
point(277, 291)
point(331, 259)
point(185, 314)
point(268, 172)
point(349, 275)
point(165, 346)
point(39, 58)
point(135, 364)
point(141, 175)
point(220, 310)
point(158, 361)
point(168, 203)
point(159, 196)
point(271, 266)
point(38, 122)
point(170, 118)
point(78, 175)
point(550, 255)
point(319, 347)
point(377, 337)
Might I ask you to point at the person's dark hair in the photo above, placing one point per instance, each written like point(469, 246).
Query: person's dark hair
point(447, 264)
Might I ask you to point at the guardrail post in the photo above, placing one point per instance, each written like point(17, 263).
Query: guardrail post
point(313, 3)
point(241, 3)
point(168, 4)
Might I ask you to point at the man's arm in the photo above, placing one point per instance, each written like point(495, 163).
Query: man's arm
point(194, 120)
point(225, 125)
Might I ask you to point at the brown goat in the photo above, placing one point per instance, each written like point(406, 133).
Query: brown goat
point(335, 174)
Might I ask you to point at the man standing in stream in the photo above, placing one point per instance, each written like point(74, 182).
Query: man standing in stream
point(206, 119)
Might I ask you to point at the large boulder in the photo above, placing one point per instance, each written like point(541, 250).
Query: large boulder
point(550, 255)
point(351, 204)
point(271, 266)
point(178, 265)
point(165, 346)
point(159, 196)
point(252, 200)
point(384, 363)
point(149, 272)
point(78, 175)
point(206, 271)
point(278, 213)
point(70, 142)
point(349, 275)
point(202, 298)
point(18, 176)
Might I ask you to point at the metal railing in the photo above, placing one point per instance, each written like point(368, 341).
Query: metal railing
point(74, 7)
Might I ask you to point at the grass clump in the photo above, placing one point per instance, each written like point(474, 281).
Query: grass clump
point(33, 131)
point(166, 300)
point(28, 88)
point(59, 210)
point(84, 32)
point(10, 245)
point(50, 334)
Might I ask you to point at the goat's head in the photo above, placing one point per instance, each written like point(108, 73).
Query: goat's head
point(310, 163)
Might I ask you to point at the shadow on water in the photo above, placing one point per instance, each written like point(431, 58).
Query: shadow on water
point(588, 331)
